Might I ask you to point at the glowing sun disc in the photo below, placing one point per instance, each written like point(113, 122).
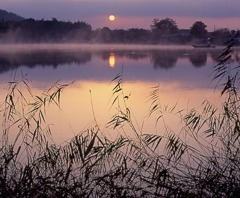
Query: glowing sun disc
point(111, 18)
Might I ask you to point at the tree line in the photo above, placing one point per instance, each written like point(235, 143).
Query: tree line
point(162, 31)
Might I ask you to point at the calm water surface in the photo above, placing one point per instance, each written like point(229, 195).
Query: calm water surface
point(183, 74)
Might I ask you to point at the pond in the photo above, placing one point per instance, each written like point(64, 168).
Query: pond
point(184, 76)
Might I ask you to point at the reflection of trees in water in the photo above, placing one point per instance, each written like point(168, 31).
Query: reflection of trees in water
point(130, 54)
point(104, 55)
point(138, 55)
point(235, 55)
point(214, 54)
point(164, 59)
point(5, 64)
point(198, 58)
point(9, 61)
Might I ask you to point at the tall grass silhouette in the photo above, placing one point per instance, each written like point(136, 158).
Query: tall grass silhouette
point(163, 164)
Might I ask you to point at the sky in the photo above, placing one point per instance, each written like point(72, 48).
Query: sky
point(215, 14)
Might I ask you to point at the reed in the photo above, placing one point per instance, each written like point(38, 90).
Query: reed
point(149, 165)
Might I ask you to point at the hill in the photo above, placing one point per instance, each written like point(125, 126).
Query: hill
point(8, 16)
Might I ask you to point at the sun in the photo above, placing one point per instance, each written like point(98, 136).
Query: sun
point(111, 18)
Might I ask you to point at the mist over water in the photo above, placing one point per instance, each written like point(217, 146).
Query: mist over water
point(92, 47)
point(89, 59)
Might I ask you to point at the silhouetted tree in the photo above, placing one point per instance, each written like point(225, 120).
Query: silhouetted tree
point(198, 31)
point(119, 36)
point(163, 29)
point(221, 36)
point(31, 30)
point(164, 26)
point(135, 35)
point(103, 35)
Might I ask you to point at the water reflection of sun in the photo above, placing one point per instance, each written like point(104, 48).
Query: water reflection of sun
point(111, 60)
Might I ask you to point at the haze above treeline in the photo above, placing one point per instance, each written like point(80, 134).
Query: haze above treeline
point(16, 29)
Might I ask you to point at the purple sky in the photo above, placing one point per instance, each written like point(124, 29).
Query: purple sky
point(131, 13)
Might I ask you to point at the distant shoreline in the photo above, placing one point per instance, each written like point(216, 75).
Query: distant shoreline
point(92, 47)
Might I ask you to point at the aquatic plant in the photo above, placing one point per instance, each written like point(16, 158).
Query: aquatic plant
point(201, 159)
